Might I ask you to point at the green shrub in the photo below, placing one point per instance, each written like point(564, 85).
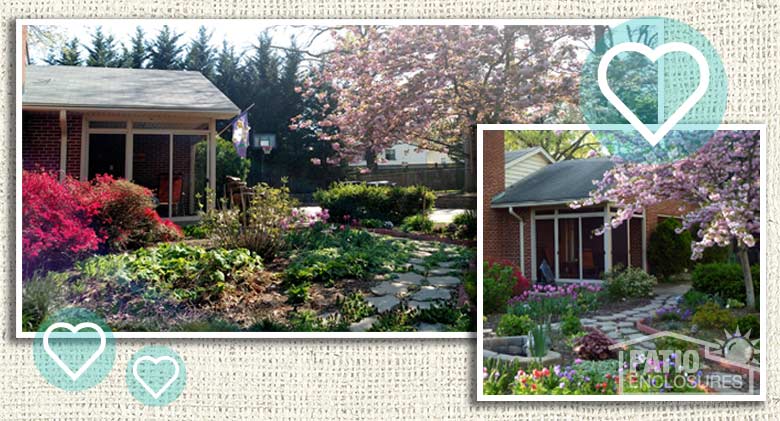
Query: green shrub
point(571, 325)
point(465, 225)
point(629, 282)
point(447, 315)
point(354, 308)
point(749, 323)
point(497, 284)
point(372, 223)
point(41, 294)
point(195, 231)
point(386, 203)
point(308, 321)
point(298, 293)
point(398, 320)
point(668, 252)
point(712, 316)
point(212, 324)
point(732, 303)
point(512, 325)
point(692, 299)
point(675, 344)
point(418, 223)
point(327, 256)
point(724, 280)
point(268, 325)
point(261, 228)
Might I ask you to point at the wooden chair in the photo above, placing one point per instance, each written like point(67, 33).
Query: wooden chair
point(162, 191)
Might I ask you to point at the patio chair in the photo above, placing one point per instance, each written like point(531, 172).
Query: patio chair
point(237, 193)
point(162, 192)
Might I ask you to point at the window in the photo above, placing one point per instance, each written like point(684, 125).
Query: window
point(390, 154)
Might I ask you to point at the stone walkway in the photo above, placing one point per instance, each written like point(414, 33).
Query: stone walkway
point(425, 283)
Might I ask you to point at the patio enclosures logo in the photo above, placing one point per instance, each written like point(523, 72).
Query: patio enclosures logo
point(685, 364)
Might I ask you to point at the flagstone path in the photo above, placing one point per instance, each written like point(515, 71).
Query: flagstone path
point(425, 283)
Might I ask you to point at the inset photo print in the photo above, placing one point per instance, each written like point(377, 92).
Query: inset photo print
point(604, 274)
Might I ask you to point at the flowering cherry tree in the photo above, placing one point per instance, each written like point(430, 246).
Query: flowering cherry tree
point(430, 85)
point(718, 187)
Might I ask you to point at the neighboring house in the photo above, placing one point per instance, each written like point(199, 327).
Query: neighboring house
point(139, 124)
point(404, 154)
point(519, 164)
point(529, 221)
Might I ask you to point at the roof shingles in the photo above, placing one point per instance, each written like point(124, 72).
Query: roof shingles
point(118, 88)
point(562, 181)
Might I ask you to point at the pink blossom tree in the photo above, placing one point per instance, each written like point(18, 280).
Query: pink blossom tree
point(719, 187)
point(430, 85)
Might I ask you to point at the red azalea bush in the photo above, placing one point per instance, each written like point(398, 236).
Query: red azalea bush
point(127, 219)
point(56, 224)
point(65, 221)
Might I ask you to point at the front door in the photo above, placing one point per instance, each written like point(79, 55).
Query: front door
point(106, 155)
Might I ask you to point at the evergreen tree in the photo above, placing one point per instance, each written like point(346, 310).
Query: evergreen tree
point(102, 52)
point(164, 51)
point(135, 56)
point(200, 55)
point(227, 75)
point(69, 55)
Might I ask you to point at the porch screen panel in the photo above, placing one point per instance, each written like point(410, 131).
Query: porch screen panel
point(151, 160)
point(569, 248)
point(189, 174)
point(635, 240)
point(620, 245)
point(592, 248)
point(545, 245)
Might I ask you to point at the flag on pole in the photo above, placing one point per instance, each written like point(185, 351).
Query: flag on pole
point(241, 134)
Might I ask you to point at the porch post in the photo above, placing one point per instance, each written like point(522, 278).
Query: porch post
point(533, 244)
point(63, 144)
point(83, 170)
point(644, 240)
point(129, 151)
point(557, 246)
point(607, 241)
point(212, 163)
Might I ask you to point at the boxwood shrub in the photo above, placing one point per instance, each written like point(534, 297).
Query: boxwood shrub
point(385, 203)
point(668, 252)
point(724, 280)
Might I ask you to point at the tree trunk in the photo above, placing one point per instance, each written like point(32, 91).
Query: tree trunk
point(371, 160)
point(750, 300)
point(470, 160)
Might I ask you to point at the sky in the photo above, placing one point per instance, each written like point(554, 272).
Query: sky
point(241, 33)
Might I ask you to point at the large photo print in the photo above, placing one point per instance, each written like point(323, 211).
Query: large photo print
point(189, 178)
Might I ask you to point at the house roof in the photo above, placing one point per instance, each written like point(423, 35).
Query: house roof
point(560, 182)
point(69, 87)
point(512, 155)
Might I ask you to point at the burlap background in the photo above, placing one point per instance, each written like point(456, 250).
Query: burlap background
point(362, 379)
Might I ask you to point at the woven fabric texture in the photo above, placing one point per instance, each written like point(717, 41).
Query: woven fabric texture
point(377, 379)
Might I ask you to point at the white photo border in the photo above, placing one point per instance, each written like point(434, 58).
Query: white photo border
point(760, 397)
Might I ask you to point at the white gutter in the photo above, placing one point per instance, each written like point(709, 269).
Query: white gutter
point(522, 239)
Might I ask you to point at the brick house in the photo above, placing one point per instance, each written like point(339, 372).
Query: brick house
point(142, 125)
point(527, 218)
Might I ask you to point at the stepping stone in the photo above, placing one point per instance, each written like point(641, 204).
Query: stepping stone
point(409, 278)
point(391, 288)
point(429, 293)
point(615, 335)
point(444, 281)
point(606, 318)
point(636, 335)
point(447, 264)
point(417, 261)
point(362, 325)
point(440, 271)
point(420, 254)
point(625, 324)
point(428, 327)
point(383, 304)
point(418, 268)
point(587, 321)
point(629, 331)
point(420, 305)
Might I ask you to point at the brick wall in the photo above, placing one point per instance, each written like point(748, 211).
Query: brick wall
point(501, 231)
point(41, 141)
point(666, 208)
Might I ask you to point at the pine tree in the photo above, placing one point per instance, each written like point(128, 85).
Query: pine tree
point(200, 55)
point(69, 55)
point(227, 75)
point(164, 51)
point(102, 52)
point(135, 56)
